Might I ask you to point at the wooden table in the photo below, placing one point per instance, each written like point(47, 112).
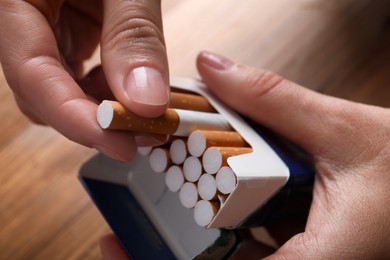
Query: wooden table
point(340, 48)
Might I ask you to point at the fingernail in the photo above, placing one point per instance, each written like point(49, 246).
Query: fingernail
point(110, 153)
point(215, 60)
point(147, 86)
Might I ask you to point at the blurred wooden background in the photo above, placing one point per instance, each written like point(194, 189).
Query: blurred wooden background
point(340, 48)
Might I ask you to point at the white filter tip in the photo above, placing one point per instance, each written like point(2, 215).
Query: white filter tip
point(188, 195)
point(105, 114)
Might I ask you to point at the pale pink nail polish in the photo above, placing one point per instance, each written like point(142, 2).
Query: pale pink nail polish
point(215, 60)
point(147, 86)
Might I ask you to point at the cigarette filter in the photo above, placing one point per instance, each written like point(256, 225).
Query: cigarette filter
point(200, 140)
point(207, 187)
point(205, 211)
point(145, 150)
point(178, 151)
point(174, 178)
point(192, 169)
point(226, 180)
point(159, 159)
point(216, 157)
point(112, 115)
point(188, 195)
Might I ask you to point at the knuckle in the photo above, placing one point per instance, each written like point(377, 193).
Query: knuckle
point(27, 110)
point(49, 9)
point(135, 33)
point(142, 32)
point(262, 82)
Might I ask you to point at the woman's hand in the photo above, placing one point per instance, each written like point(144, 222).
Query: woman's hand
point(350, 147)
point(43, 44)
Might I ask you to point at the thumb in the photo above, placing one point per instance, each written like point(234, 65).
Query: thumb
point(134, 55)
point(283, 106)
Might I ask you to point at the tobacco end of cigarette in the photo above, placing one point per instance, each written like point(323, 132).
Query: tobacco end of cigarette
point(105, 114)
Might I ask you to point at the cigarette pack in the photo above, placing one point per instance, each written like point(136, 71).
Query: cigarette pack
point(273, 183)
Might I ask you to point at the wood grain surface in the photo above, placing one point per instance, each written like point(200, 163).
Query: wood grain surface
point(340, 48)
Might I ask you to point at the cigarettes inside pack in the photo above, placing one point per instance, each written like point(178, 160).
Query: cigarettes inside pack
point(217, 162)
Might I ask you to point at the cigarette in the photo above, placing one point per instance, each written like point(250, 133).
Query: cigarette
point(200, 140)
point(216, 157)
point(190, 102)
point(188, 195)
point(159, 159)
point(179, 122)
point(178, 151)
point(226, 180)
point(205, 211)
point(207, 187)
point(174, 178)
point(145, 150)
point(192, 168)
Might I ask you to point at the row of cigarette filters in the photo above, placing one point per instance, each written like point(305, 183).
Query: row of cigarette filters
point(194, 159)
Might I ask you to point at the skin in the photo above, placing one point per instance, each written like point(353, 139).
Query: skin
point(43, 45)
point(350, 147)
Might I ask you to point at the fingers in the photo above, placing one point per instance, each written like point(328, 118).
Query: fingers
point(297, 113)
point(31, 63)
point(134, 55)
point(111, 249)
point(78, 31)
point(94, 84)
point(263, 96)
point(25, 109)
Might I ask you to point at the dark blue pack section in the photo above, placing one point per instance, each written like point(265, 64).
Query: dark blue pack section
point(293, 201)
point(301, 168)
point(128, 220)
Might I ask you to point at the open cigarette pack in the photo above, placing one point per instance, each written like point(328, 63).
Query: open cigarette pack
point(218, 172)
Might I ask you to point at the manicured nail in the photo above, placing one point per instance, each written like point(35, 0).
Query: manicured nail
point(108, 152)
point(147, 86)
point(215, 60)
